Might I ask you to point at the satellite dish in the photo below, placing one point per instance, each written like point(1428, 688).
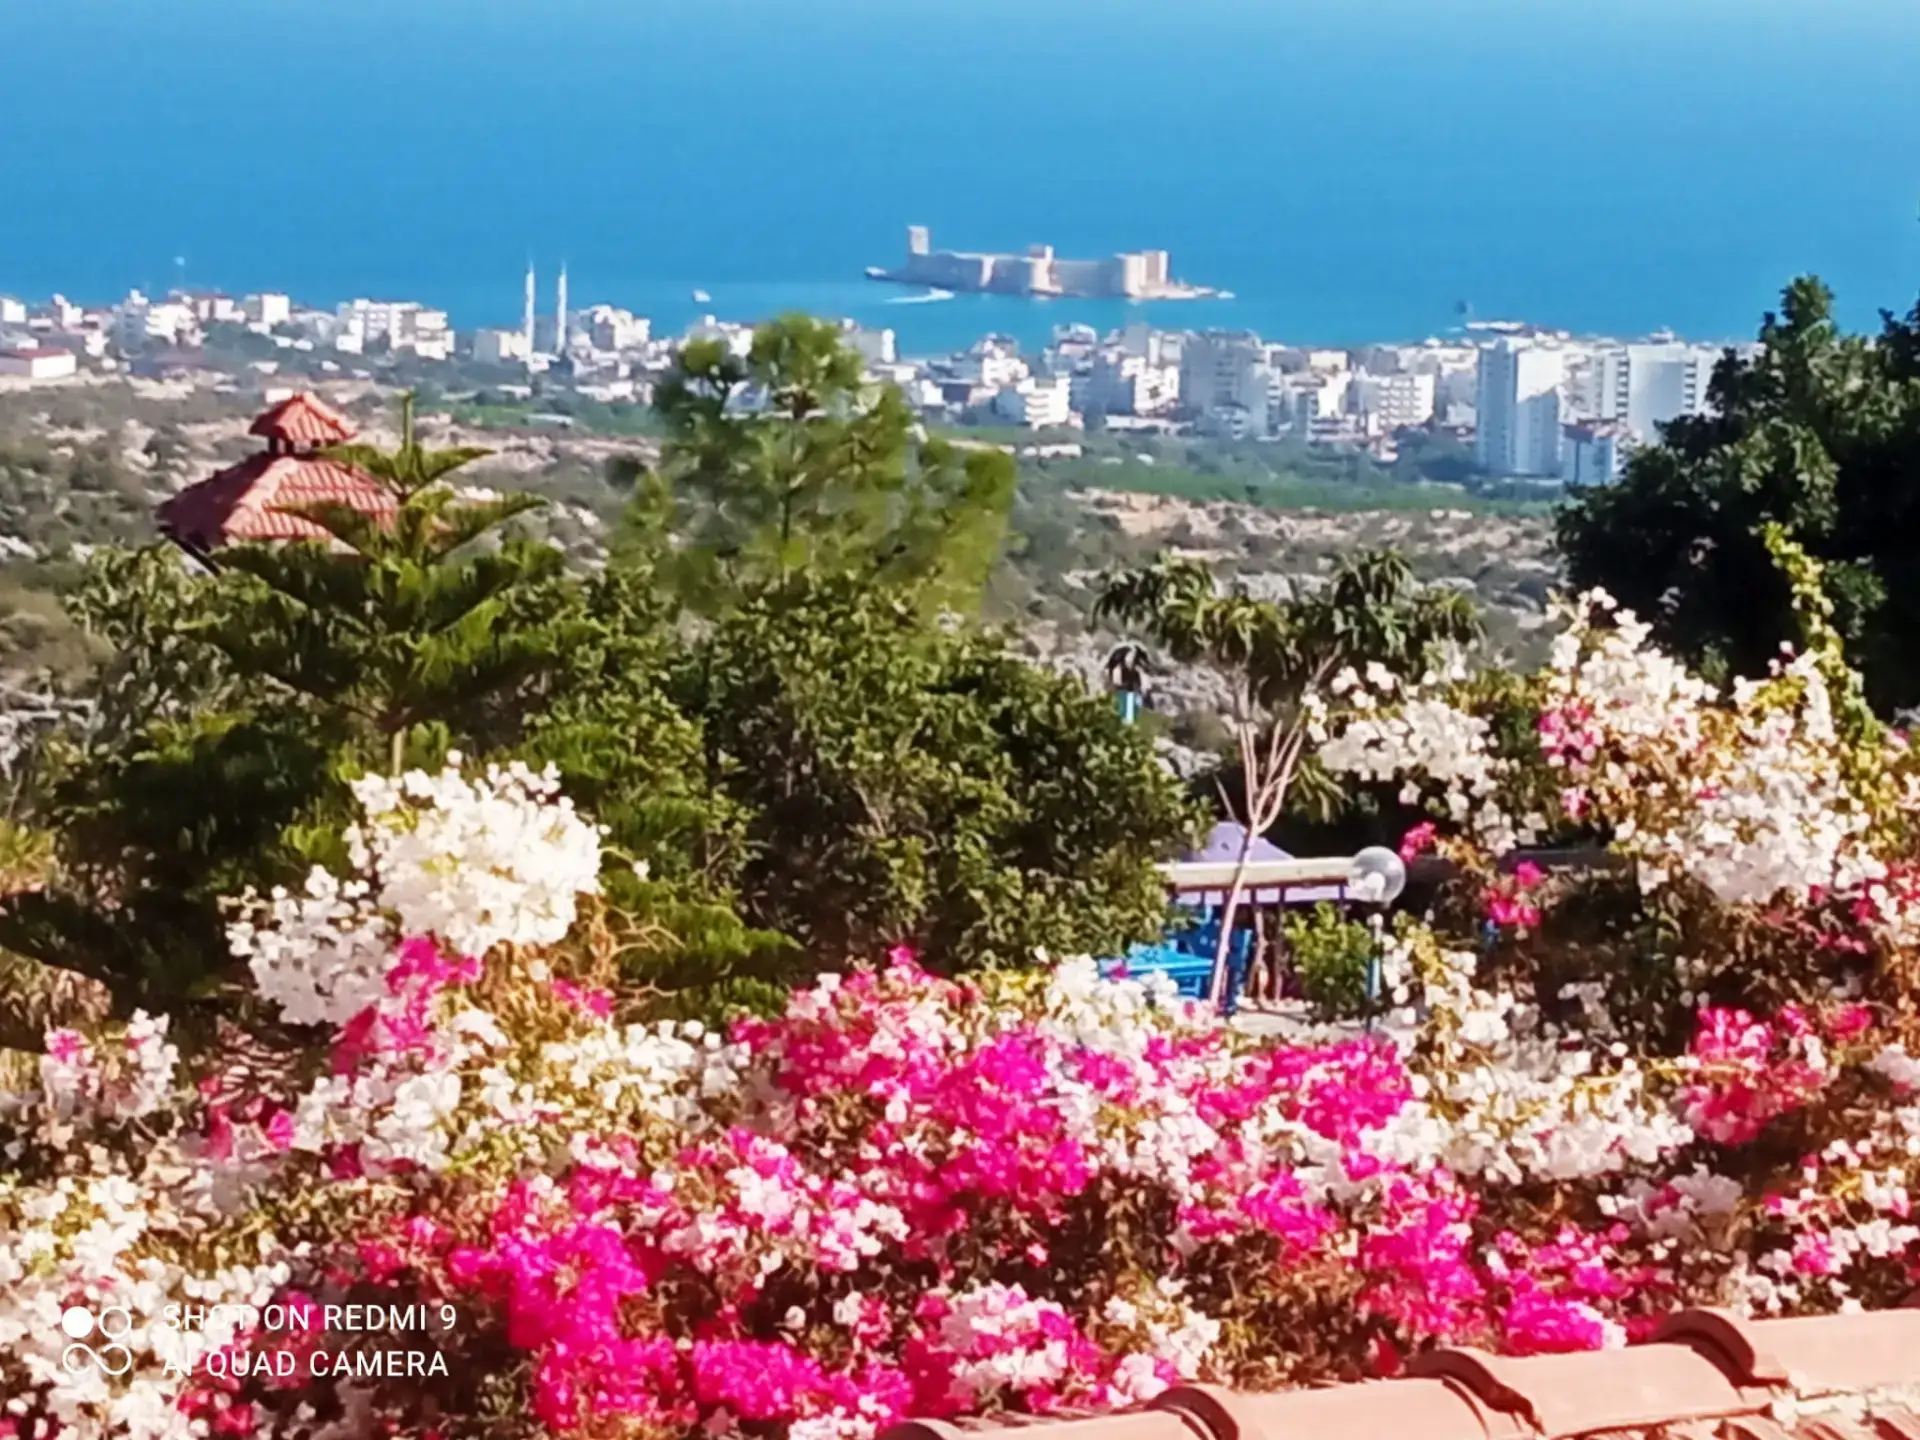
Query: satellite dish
point(1377, 877)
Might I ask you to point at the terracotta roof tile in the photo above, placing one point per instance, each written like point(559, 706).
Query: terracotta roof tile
point(250, 501)
point(1597, 1390)
point(1128, 1425)
point(1706, 1375)
point(303, 420)
point(253, 500)
point(1827, 1353)
point(1373, 1410)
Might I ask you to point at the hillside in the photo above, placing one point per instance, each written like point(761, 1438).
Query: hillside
point(86, 465)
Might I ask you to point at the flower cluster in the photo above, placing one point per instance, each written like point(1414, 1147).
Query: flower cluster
point(1418, 738)
point(1752, 795)
point(1749, 796)
point(905, 1193)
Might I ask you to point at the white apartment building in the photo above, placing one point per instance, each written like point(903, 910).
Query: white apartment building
point(12, 311)
point(267, 310)
point(737, 338)
point(1132, 384)
point(1517, 408)
point(1393, 401)
point(1311, 402)
point(500, 347)
point(1235, 422)
point(40, 363)
point(1223, 368)
point(1035, 403)
point(994, 369)
point(876, 347)
point(210, 307)
point(374, 319)
point(1644, 386)
point(430, 336)
point(1156, 347)
point(1439, 357)
point(1384, 359)
point(138, 320)
point(402, 324)
point(1594, 452)
point(922, 393)
point(607, 327)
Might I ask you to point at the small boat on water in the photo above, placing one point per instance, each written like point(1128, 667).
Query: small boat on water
point(700, 297)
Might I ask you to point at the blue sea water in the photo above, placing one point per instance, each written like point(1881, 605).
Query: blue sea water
point(1351, 169)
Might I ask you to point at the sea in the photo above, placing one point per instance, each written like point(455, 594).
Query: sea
point(1352, 170)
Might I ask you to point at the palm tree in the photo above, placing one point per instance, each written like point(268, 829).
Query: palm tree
point(1276, 654)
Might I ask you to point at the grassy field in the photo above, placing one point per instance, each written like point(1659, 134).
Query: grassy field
point(589, 417)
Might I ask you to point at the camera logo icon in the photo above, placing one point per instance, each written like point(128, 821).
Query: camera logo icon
point(114, 1322)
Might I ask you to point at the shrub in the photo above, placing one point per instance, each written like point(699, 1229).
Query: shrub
point(1331, 955)
point(905, 1193)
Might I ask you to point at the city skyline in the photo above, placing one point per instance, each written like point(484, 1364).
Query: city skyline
point(1494, 154)
point(1538, 405)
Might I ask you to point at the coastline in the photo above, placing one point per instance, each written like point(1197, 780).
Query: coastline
point(1171, 291)
point(932, 321)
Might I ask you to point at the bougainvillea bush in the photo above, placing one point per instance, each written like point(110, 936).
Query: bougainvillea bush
point(491, 1201)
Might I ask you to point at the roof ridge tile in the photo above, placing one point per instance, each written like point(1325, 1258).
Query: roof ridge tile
point(1706, 1375)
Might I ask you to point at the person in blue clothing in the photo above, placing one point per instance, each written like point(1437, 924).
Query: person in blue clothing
point(1126, 677)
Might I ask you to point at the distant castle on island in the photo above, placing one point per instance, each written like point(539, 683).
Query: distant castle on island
point(1130, 275)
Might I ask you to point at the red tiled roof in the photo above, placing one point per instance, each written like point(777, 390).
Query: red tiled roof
point(303, 419)
point(249, 501)
point(1707, 1375)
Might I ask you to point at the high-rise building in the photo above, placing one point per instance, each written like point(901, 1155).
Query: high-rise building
point(1397, 400)
point(1645, 386)
point(560, 313)
point(1225, 369)
point(1123, 383)
point(1517, 408)
point(1595, 452)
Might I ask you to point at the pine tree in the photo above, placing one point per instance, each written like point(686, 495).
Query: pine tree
point(787, 462)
